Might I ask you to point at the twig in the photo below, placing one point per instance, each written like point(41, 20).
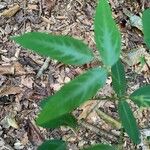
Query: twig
point(44, 67)
point(99, 99)
point(91, 110)
point(98, 131)
point(36, 130)
point(17, 53)
point(104, 98)
point(24, 14)
point(108, 119)
point(41, 8)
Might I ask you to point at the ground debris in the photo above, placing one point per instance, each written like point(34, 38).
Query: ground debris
point(11, 11)
point(26, 78)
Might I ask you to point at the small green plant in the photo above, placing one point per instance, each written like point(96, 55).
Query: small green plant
point(56, 109)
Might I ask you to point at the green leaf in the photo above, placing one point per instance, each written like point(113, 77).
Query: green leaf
point(118, 78)
point(107, 36)
point(141, 96)
point(146, 26)
point(53, 145)
point(71, 95)
point(128, 121)
point(64, 120)
point(100, 147)
point(62, 48)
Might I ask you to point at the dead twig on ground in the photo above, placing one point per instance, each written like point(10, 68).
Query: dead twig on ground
point(108, 119)
point(44, 67)
point(104, 134)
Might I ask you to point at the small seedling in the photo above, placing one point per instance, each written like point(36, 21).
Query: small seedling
point(57, 109)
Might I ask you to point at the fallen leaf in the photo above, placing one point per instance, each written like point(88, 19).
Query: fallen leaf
point(11, 11)
point(34, 134)
point(50, 4)
point(32, 7)
point(25, 139)
point(12, 69)
point(7, 69)
point(19, 70)
point(12, 122)
point(136, 21)
point(4, 145)
point(27, 81)
point(2, 79)
point(7, 90)
point(133, 59)
point(87, 108)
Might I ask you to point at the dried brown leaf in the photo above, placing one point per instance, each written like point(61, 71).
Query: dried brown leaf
point(27, 81)
point(34, 134)
point(11, 11)
point(7, 69)
point(50, 4)
point(87, 108)
point(32, 7)
point(12, 122)
point(10, 90)
point(19, 70)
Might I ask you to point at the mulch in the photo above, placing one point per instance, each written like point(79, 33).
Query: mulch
point(23, 85)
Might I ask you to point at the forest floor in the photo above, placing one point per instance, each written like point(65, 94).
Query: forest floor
point(23, 85)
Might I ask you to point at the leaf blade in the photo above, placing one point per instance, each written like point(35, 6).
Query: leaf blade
point(146, 26)
point(72, 95)
point(107, 36)
point(64, 120)
point(128, 121)
point(100, 147)
point(141, 96)
point(118, 78)
point(62, 48)
point(53, 145)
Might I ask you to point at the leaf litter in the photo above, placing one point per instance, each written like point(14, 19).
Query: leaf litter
point(21, 90)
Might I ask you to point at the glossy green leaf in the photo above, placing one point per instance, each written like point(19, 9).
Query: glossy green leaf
point(128, 121)
point(118, 78)
point(107, 36)
point(62, 48)
point(146, 26)
point(71, 95)
point(53, 145)
point(100, 147)
point(64, 120)
point(141, 96)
